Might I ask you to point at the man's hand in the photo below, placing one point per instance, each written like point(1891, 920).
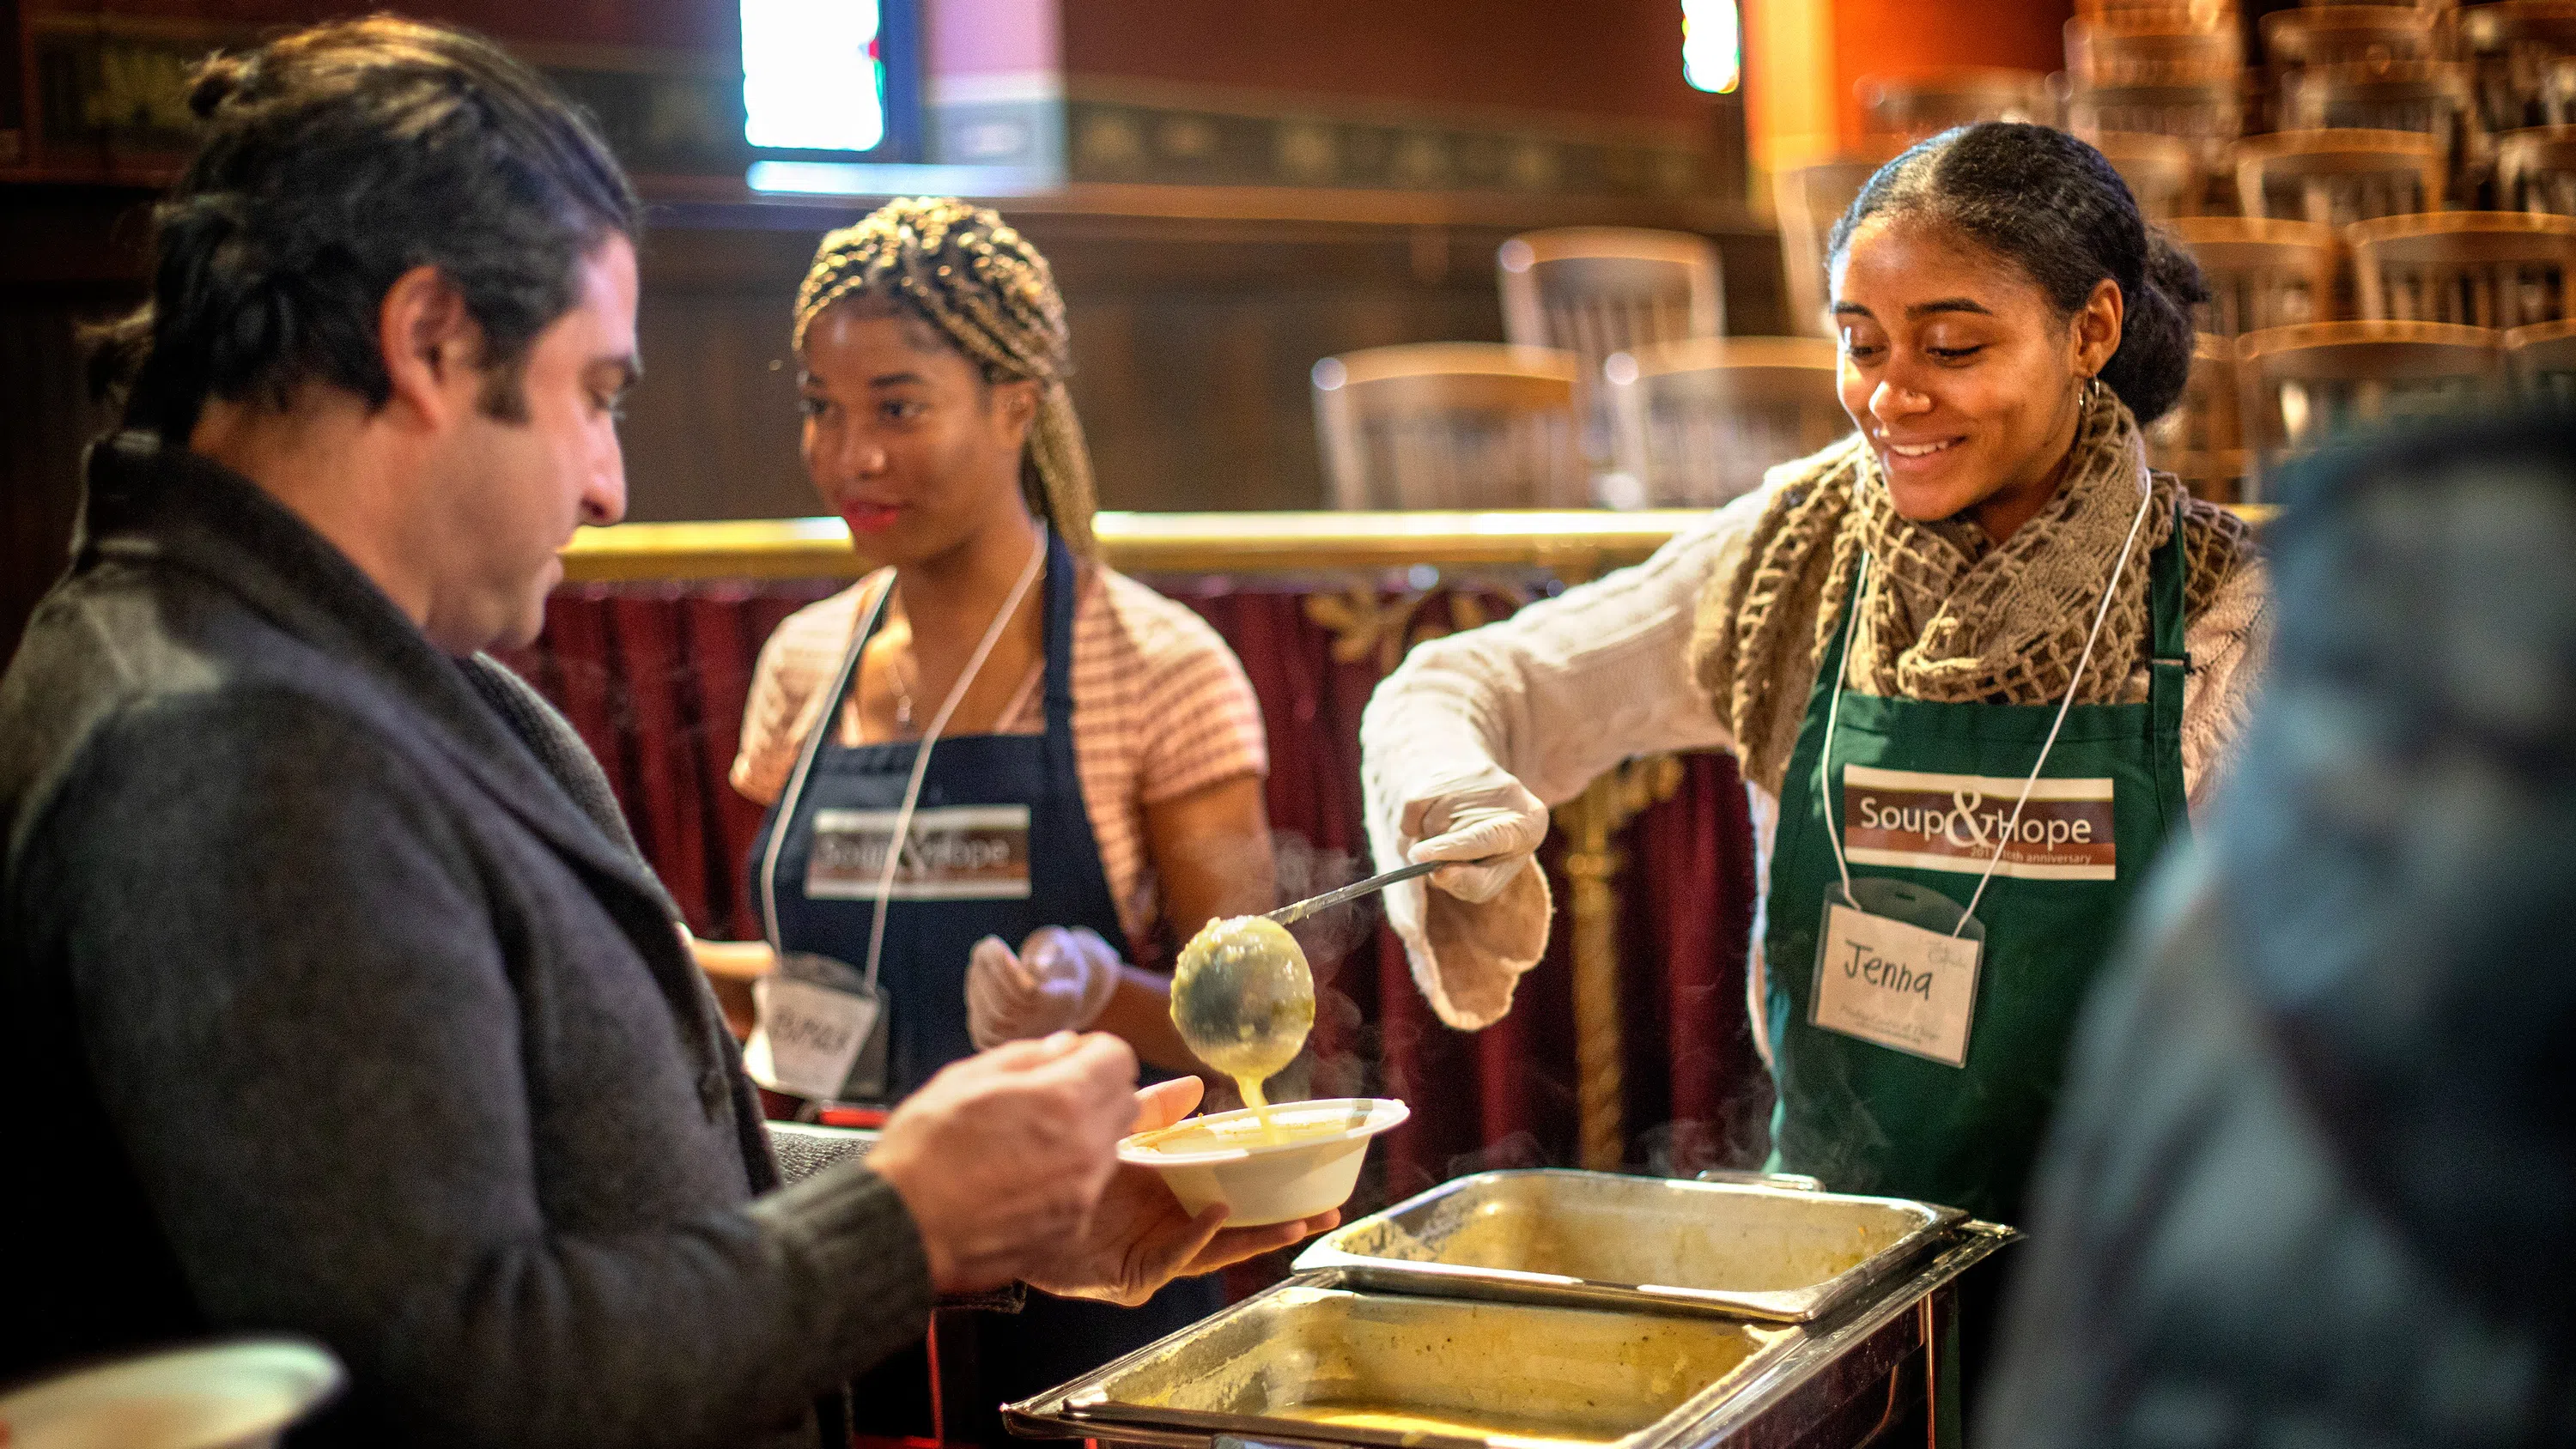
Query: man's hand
point(1139, 1239)
point(1002, 1157)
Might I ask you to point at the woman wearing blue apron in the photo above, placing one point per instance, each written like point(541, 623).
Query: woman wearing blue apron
point(942, 704)
point(1977, 663)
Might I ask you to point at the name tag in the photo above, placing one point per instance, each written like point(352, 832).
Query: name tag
point(808, 1036)
point(961, 853)
point(1895, 984)
point(1953, 822)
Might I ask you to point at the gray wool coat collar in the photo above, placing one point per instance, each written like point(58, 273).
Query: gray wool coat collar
point(145, 500)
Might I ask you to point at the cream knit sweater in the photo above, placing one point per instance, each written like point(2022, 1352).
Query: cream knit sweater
point(1568, 687)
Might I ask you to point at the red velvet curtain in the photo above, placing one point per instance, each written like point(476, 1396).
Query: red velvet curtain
point(654, 677)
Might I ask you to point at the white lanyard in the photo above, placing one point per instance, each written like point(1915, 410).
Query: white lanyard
point(824, 724)
point(1825, 756)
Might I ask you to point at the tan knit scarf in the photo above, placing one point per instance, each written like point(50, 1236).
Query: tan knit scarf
point(1949, 615)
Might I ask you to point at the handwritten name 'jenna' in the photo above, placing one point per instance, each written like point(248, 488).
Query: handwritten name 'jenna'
point(1887, 975)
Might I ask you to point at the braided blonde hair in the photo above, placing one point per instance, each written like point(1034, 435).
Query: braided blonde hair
point(966, 272)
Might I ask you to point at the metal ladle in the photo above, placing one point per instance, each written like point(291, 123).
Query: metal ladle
point(1243, 997)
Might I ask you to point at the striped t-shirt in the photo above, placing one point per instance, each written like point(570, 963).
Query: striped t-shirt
point(1161, 707)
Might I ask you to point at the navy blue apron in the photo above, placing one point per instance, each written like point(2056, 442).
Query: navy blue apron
point(930, 930)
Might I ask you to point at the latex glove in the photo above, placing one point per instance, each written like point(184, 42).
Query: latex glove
point(1479, 815)
point(1059, 980)
point(1138, 1238)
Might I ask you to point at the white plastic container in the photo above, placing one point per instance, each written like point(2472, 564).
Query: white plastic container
point(1313, 1166)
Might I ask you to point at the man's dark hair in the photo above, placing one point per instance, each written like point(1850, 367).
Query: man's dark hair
point(336, 159)
point(2054, 207)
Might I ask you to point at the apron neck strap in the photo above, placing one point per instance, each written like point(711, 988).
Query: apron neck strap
point(1063, 589)
point(2168, 579)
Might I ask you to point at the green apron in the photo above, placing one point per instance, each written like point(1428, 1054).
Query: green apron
point(1871, 1119)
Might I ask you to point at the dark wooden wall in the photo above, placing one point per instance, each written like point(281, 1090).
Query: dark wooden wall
point(1193, 339)
point(1202, 287)
point(1195, 326)
point(68, 255)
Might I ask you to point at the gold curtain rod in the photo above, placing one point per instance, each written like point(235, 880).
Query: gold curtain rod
point(1573, 543)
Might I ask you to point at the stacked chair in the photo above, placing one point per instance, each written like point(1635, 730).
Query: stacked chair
point(2383, 202)
point(1616, 386)
point(2383, 210)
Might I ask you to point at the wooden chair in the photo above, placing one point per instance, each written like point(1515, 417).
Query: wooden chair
point(1593, 291)
point(2262, 274)
point(2335, 177)
point(2224, 476)
point(2301, 385)
point(2535, 170)
point(2350, 35)
point(1911, 108)
point(1698, 422)
point(1808, 200)
point(2495, 269)
point(1450, 425)
point(2111, 53)
point(2512, 43)
point(2541, 360)
point(2426, 97)
point(2162, 172)
point(2206, 115)
point(2558, 91)
point(2200, 440)
point(2431, 98)
point(2179, 14)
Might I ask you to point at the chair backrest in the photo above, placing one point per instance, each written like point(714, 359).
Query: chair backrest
point(1696, 423)
point(1450, 425)
point(2208, 115)
point(2431, 98)
point(2334, 177)
point(2261, 273)
point(1603, 289)
point(2494, 269)
point(2182, 14)
point(1808, 200)
point(2205, 420)
point(1914, 107)
point(2223, 476)
point(2535, 170)
point(2120, 53)
point(2350, 34)
point(2512, 42)
point(2300, 385)
point(2558, 91)
point(2201, 440)
point(2162, 172)
point(1594, 291)
point(2541, 359)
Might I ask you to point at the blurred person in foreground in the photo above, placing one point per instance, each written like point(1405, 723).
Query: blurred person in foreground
point(337, 999)
point(2311, 1183)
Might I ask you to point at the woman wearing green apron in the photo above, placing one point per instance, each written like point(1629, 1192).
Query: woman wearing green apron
point(1977, 663)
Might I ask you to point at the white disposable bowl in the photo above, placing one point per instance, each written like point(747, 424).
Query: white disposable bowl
point(225, 1396)
point(1218, 1158)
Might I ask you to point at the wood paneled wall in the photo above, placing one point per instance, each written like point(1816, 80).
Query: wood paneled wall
point(1193, 340)
point(1196, 322)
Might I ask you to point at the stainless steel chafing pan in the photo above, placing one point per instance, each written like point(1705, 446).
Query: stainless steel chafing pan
point(1423, 1373)
point(1549, 1236)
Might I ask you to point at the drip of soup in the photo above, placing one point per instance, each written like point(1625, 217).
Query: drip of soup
point(1244, 999)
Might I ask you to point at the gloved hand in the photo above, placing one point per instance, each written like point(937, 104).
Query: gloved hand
point(1481, 814)
point(1059, 980)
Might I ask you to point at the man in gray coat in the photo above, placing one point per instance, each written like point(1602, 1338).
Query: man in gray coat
point(335, 997)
